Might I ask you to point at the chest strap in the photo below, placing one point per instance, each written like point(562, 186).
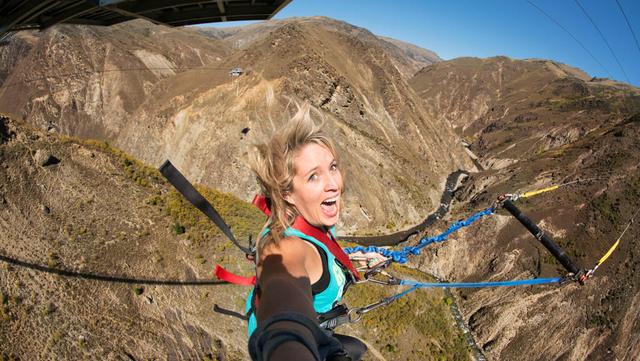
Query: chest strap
point(328, 241)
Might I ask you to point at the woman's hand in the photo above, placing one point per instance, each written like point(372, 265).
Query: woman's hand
point(369, 259)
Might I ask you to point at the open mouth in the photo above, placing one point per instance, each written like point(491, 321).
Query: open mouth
point(330, 207)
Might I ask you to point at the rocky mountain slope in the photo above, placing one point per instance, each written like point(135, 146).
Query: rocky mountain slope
point(86, 81)
point(534, 124)
point(507, 109)
point(407, 58)
point(206, 121)
point(100, 259)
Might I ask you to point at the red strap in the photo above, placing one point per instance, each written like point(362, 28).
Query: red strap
point(263, 203)
point(303, 226)
point(227, 276)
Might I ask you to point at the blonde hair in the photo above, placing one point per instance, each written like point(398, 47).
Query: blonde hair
point(272, 163)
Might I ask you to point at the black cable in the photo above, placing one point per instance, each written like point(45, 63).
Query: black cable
point(604, 39)
point(628, 24)
point(107, 278)
point(570, 34)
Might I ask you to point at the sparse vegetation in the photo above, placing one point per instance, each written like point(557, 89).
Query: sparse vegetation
point(391, 225)
point(4, 307)
point(607, 208)
point(178, 229)
point(9, 357)
point(135, 170)
point(49, 309)
point(200, 259)
point(243, 218)
point(420, 315)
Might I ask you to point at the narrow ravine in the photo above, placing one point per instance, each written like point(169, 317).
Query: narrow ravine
point(476, 352)
point(399, 237)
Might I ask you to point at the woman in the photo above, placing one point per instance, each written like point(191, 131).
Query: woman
point(301, 271)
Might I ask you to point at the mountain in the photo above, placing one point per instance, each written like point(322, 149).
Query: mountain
point(515, 107)
point(174, 99)
point(420, 57)
point(85, 80)
point(407, 58)
point(533, 124)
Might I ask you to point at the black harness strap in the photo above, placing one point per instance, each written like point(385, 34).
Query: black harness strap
point(183, 186)
point(228, 312)
point(544, 238)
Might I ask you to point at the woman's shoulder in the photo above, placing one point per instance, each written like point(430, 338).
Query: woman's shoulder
point(292, 246)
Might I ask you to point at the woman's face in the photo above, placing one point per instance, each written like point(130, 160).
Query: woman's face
point(317, 185)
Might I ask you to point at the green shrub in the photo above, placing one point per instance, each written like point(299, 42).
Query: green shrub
point(178, 229)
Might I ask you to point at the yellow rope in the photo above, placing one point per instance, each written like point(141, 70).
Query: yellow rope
point(609, 252)
point(535, 193)
point(552, 188)
point(615, 245)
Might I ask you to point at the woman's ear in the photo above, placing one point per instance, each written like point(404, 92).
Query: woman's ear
point(289, 199)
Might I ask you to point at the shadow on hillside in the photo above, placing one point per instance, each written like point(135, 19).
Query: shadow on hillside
point(109, 278)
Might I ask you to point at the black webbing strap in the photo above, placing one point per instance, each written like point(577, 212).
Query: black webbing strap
point(183, 186)
point(232, 313)
point(339, 315)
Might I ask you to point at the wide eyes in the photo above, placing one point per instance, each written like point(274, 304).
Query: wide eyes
point(332, 168)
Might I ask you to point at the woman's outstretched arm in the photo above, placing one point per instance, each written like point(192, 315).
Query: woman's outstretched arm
point(287, 323)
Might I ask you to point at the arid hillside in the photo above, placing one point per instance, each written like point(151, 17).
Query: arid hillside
point(533, 124)
point(86, 81)
point(510, 109)
point(156, 100)
point(100, 259)
point(407, 58)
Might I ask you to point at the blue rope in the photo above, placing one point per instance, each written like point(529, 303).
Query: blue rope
point(529, 282)
point(395, 297)
point(401, 256)
point(415, 285)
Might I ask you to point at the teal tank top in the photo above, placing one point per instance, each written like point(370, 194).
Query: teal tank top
point(323, 301)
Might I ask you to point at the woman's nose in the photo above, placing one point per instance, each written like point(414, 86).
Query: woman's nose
point(333, 182)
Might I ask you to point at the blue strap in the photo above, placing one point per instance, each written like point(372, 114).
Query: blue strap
point(401, 256)
point(529, 282)
point(415, 285)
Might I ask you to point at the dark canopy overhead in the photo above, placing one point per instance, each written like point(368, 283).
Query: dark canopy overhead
point(41, 14)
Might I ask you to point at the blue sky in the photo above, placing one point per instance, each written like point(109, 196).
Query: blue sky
point(514, 28)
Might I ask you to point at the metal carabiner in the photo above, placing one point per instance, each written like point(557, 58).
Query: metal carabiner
point(355, 314)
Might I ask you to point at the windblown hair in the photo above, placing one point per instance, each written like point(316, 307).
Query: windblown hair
point(272, 163)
